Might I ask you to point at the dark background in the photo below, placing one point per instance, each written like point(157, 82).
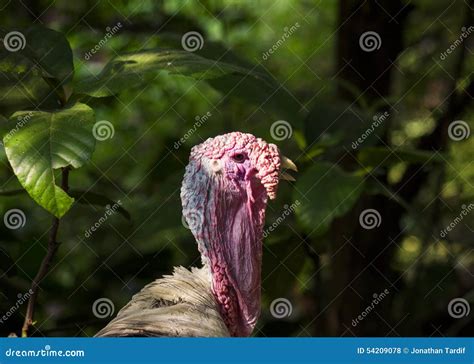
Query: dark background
point(330, 91)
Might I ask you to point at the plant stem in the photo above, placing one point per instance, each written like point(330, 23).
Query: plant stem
point(46, 263)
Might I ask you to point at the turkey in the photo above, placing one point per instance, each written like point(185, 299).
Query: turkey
point(224, 195)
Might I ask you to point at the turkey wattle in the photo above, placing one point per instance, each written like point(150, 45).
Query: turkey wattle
point(224, 194)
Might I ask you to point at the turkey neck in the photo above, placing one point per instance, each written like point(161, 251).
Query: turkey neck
point(231, 246)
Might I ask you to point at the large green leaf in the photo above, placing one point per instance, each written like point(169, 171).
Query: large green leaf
point(51, 52)
point(270, 96)
point(233, 79)
point(34, 65)
point(213, 50)
point(46, 141)
point(138, 68)
point(22, 85)
point(325, 192)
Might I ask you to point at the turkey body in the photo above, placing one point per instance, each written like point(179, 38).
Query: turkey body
point(179, 305)
point(224, 194)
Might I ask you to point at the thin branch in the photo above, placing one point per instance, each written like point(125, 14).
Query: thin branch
point(46, 263)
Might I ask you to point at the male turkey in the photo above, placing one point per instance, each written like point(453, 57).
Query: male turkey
point(224, 195)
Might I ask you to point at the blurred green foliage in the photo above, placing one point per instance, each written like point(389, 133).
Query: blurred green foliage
point(153, 92)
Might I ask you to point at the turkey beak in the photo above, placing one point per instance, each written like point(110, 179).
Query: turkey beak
point(287, 163)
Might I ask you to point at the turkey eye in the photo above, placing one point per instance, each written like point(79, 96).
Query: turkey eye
point(239, 157)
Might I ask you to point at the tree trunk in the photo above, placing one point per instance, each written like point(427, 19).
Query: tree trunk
point(361, 258)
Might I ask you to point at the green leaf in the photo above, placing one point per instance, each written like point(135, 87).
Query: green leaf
point(231, 79)
point(34, 74)
point(22, 85)
point(47, 141)
point(135, 69)
point(382, 156)
point(216, 51)
point(270, 96)
point(325, 192)
point(92, 198)
point(51, 52)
